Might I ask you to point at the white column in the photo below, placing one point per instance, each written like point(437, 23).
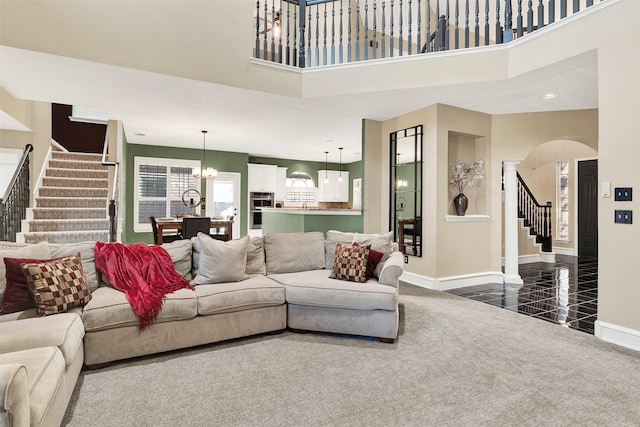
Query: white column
point(511, 275)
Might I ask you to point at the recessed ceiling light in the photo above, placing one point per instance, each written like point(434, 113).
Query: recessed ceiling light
point(549, 95)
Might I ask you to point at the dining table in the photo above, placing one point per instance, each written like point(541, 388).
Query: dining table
point(222, 226)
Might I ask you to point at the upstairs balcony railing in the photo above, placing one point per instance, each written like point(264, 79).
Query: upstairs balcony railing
point(313, 33)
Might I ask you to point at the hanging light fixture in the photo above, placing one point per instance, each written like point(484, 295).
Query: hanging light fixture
point(326, 177)
point(206, 173)
point(340, 176)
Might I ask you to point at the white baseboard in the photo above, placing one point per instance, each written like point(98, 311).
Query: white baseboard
point(565, 251)
point(620, 335)
point(541, 257)
point(452, 282)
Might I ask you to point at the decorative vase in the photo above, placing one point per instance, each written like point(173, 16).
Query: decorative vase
point(461, 203)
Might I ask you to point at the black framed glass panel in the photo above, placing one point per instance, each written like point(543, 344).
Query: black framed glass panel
point(406, 189)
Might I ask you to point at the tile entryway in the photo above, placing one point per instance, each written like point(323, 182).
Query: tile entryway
point(565, 293)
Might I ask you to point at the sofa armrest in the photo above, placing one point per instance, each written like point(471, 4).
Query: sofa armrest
point(392, 269)
point(14, 395)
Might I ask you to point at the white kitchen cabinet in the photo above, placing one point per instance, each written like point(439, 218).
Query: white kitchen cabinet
point(334, 190)
point(281, 184)
point(262, 178)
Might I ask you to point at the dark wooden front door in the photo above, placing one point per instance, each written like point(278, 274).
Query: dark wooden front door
point(588, 208)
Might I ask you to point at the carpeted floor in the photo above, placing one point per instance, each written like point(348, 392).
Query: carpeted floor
point(457, 362)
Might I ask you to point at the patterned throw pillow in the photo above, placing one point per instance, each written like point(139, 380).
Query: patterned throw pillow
point(57, 285)
point(372, 262)
point(350, 263)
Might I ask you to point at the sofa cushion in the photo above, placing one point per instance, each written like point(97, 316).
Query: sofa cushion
point(333, 238)
point(18, 250)
point(219, 261)
point(254, 292)
point(315, 288)
point(85, 249)
point(64, 330)
point(378, 242)
point(350, 263)
point(293, 252)
point(45, 371)
point(57, 285)
point(180, 253)
point(255, 257)
point(109, 309)
point(17, 295)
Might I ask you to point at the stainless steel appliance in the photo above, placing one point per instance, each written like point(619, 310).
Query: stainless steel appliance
point(257, 201)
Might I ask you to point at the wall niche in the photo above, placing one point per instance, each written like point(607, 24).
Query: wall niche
point(468, 149)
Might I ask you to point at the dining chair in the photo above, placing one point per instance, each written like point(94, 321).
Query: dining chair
point(192, 225)
point(166, 238)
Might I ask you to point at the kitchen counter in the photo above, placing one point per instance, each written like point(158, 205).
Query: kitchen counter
point(313, 211)
point(294, 220)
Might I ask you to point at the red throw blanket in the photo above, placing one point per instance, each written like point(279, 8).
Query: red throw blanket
point(144, 273)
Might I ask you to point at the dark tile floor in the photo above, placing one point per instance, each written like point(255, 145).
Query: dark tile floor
point(565, 293)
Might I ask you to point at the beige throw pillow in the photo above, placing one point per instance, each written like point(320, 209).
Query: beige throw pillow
point(220, 262)
point(255, 257)
point(180, 253)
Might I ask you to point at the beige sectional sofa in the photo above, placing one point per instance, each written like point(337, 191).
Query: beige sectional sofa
point(243, 287)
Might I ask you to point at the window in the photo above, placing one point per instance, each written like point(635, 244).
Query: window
point(301, 189)
point(159, 187)
point(562, 202)
point(88, 115)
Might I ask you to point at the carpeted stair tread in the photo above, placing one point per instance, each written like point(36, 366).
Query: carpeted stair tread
point(72, 155)
point(66, 237)
point(68, 224)
point(74, 182)
point(77, 173)
point(73, 192)
point(71, 202)
point(67, 213)
point(76, 164)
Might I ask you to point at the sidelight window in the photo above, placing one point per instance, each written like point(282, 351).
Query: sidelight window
point(562, 202)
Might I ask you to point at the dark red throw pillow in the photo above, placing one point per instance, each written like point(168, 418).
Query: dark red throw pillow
point(17, 296)
point(372, 262)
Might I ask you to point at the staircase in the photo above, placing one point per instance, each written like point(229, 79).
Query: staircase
point(535, 216)
point(71, 205)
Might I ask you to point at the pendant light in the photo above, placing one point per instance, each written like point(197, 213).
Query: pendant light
point(326, 177)
point(340, 176)
point(206, 173)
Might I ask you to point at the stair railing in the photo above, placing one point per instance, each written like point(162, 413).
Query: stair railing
point(15, 201)
point(313, 33)
point(536, 216)
point(113, 223)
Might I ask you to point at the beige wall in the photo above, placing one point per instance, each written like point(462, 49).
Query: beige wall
point(37, 117)
point(449, 248)
point(618, 160)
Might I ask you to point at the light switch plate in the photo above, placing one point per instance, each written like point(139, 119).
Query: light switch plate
point(606, 189)
point(624, 217)
point(623, 194)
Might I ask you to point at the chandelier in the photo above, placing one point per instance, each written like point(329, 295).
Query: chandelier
point(206, 173)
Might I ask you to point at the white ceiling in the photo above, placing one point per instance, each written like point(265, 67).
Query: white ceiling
point(171, 111)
